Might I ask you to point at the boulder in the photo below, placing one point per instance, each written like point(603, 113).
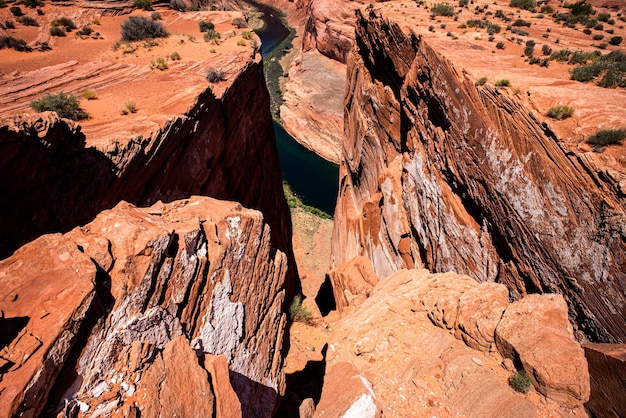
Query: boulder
point(352, 282)
point(535, 331)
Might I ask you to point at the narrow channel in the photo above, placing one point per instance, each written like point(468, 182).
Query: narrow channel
point(309, 176)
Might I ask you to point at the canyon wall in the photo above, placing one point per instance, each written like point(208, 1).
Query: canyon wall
point(443, 174)
point(100, 306)
point(223, 147)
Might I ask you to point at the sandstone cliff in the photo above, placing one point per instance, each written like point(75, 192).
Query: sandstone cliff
point(188, 136)
point(443, 174)
point(102, 306)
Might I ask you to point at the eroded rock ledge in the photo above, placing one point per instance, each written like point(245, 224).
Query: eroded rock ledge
point(101, 305)
point(443, 174)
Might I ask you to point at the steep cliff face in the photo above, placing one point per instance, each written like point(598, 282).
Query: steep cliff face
point(53, 177)
point(443, 174)
point(123, 288)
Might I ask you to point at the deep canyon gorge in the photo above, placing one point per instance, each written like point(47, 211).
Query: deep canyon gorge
point(153, 263)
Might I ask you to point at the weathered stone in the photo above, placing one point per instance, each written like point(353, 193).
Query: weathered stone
point(607, 369)
point(352, 282)
point(227, 404)
point(536, 332)
point(46, 290)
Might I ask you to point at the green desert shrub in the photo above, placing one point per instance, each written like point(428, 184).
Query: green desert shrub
point(14, 43)
point(57, 31)
point(175, 56)
point(67, 24)
point(159, 64)
point(607, 137)
point(129, 107)
point(143, 4)
point(604, 17)
point(32, 3)
point(521, 382)
point(28, 21)
point(90, 94)
point(9, 24)
point(85, 31)
point(193, 8)
point(442, 9)
point(205, 26)
point(502, 83)
point(300, 313)
point(212, 36)
point(156, 16)
point(616, 40)
point(239, 23)
point(560, 112)
point(136, 28)
point(580, 8)
point(16, 11)
point(481, 81)
point(65, 105)
point(524, 4)
point(3, 4)
point(214, 75)
point(178, 5)
point(529, 49)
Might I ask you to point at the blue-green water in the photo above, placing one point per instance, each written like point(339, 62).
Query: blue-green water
point(310, 177)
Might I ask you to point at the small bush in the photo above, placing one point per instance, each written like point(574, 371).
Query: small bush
point(246, 35)
point(546, 50)
point(598, 37)
point(431, 28)
point(40, 12)
point(193, 8)
point(241, 42)
point(616, 40)
point(205, 26)
point(581, 8)
point(14, 43)
point(143, 4)
point(560, 112)
point(604, 17)
point(85, 31)
point(463, 3)
point(500, 45)
point(2, 4)
point(129, 107)
point(67, 24)
point(521, 382)
point(299, 312)
point(160, 64)
point(214, 75)
point(521, 22)
point(32, 3)
point(57, 31)
point(178, 5)
point(442, 9)
point(65, 105)
point(137, 28)
point(599, 26)
point(587, 31)
point(28, 21)
point(175, 56)
point(156, 16)
point(16, 11)
point(530, 5)
point(481, 81)
point(586, 72)
point(607, 137)
point(502, 83)
point(212, 36)
point(9, 24)
point(239, 23)
point(96, 22)
point(529, 49)
point(90, 94)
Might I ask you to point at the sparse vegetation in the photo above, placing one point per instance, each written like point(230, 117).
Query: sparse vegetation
point(607, 137)
point(442, 9)
point(90, 94)
point(67, 24)
point(481, 81)
point(212, 36)
point(521, 382)
point(616, 40)
point(143, 4)
point(294, 201)
point(178, 5)
point(529, 49)
point(136, 28)
point(129, 107)
point(530, 5)
point(32, 3)
point(560, 112)
point(57, 31)
point(205, 26)
point(612, 68)
point(65, 105)
point(9, 24)
point(85, 31)
point(16, 11)
point(239, 23)
point(14, 43)
point(580, 8)
point(241, 42)
point(156, 16)
point(604, 17)
point(96, 22)
point(500, 45)
point(502, 83)
point(214, 75)
point(521, 22)
point(28, 21)
point(193, 8)
point(546, 50)
point(159, 64)
point(299, 312)
point(246, 35)
point(175, 56)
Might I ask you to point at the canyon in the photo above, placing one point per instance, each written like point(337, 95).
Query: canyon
point(149, 263)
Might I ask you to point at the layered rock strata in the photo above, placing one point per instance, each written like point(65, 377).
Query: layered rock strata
point(129, 310)
point(56, 174)
point(444, 174)
point(607, 368)
point(442, 344)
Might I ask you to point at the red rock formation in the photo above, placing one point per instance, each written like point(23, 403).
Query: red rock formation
point(199, 268)
point(352, 282)
point(222, 147)
point(607, 369)
point(399, 349)
point(443, 174)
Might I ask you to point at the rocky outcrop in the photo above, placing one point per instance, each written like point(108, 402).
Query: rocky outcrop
point(330, 28)
point(607, 369)
point(409, 345)
point(352, 282)
point(127, 309)
point(447, 175)
point(53, 177)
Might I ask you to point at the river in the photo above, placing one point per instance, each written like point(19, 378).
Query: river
point(310, 177)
